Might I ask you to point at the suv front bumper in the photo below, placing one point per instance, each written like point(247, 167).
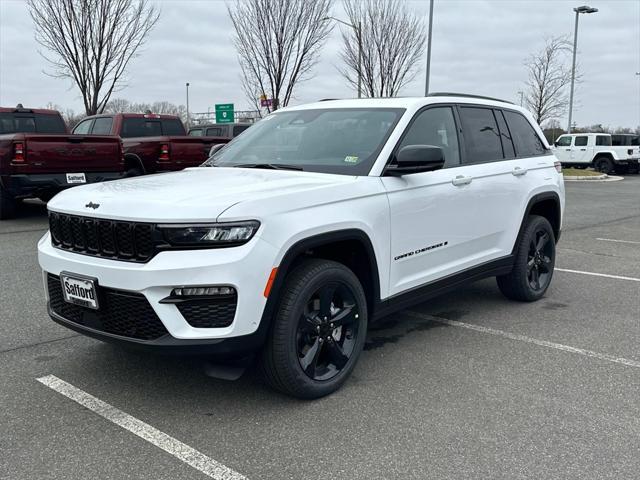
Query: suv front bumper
point(246, 268)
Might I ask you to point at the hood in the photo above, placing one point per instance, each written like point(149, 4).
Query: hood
point(194, 194)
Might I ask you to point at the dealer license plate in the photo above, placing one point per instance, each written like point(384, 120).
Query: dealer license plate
point(76, 178)
point(79, 291)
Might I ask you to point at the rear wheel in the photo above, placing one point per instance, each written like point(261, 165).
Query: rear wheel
point(318, 332)
point(533, 264)
point(603, 165)
point(7, 205)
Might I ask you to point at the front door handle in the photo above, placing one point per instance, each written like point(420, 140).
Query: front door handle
point(518, 171)
point(461, 180)
point(567, 149)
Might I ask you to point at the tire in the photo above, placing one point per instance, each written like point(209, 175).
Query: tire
point(534, 262)
point(306, 355)
point(133, 172)
point(7, 205)
point(603, 165)
point(621, 169)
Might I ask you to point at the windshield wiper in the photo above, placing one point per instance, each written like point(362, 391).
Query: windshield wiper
point(269, 166)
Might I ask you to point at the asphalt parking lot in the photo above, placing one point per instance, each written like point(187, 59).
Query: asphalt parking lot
point(466, 386)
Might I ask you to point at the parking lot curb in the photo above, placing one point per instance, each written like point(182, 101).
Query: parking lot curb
point(598, 178)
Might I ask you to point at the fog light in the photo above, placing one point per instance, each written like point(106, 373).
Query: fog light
point(202, 291)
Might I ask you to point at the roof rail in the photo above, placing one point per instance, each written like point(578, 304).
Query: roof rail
point(466, 95)
point(328, 99)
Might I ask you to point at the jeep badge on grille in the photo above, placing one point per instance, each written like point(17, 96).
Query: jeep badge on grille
point(92, 205)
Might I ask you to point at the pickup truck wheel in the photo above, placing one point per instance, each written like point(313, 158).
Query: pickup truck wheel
point(7, 205)
point(603, 165)
point(133, 172)
point(318, 332)
point(534, 262)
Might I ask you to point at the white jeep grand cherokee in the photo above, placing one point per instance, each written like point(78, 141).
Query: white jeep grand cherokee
point(313, 224)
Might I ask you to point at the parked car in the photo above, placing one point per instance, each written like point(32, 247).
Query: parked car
point(152, 143)
point(38, 157)
point(315, 223)
point(229, 130)
point(597, 150)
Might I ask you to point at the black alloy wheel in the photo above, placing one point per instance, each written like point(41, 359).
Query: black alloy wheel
point(318, 331)
point(539, 264)
point(533, 262)
point(327, 331)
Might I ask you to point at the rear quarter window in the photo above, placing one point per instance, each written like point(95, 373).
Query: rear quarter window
point(525, 138)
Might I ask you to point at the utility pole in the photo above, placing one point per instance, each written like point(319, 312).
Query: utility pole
point(426, 83)
point(578, 10)
point(188, 116)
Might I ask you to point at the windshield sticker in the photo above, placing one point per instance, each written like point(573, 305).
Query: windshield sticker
point(350, 159)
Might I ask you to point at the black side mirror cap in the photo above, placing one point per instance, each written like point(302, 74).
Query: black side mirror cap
point(416, 159)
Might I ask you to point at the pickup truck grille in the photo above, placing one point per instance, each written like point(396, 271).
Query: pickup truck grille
point(127, 241)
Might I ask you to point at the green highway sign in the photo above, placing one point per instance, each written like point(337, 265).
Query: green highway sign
point(224, 113)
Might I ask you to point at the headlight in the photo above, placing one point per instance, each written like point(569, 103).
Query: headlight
point(214, 234)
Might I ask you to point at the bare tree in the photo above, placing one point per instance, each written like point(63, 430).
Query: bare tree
point(122, 105)
point(278, 43)
point(92, 41)
point(391, 39)
point(549, 73)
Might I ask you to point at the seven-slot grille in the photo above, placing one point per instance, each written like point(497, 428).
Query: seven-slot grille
point(129, 241)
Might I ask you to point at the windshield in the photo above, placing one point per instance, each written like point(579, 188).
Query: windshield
point(344, 141)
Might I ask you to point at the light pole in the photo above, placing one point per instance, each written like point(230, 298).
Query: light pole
point(188, 116)
point(358, 31)
point(426, 83)
point(578, 10)
point(638, 75)
point(521, 93)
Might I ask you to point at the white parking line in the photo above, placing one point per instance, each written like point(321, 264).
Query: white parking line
point(618, 241)
point(181, 451)
point(523, 338)
point(617, 277)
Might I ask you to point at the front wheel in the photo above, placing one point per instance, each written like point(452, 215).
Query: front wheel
point(318, 332)
point(533, 264)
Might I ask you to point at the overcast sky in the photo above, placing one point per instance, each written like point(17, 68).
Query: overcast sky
point(478, 47)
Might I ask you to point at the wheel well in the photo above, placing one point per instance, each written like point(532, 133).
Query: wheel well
point(549, 209)
point(603, 155)
point(354, 255)
point(133, 161)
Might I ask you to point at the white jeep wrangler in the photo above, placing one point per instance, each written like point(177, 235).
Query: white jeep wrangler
point(597, 150)
point(311, 225)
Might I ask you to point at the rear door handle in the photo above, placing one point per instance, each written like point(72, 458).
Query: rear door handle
point(518, 171)
point(461, 180)
point(567, 149)
point(583, 149)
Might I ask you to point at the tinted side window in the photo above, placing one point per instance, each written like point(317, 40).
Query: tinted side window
point(603, 140)
point(140, 127)
point(102, 126)
point(505, 135)
point(215, 132)
point(50, 124)
point(83, 127)
point(238, 129)
point(526, 139)
point(581, 141)
point(172, 126)
point(435, 126)
point(195, 133)
point(12, 123)
point(563, 142)
point(481, 135)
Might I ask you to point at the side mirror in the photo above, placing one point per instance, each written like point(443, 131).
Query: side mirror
point(416, 159)
point(215, 148)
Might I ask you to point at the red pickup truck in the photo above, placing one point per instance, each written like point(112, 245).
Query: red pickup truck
point(152, 143)
point(38, 157)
